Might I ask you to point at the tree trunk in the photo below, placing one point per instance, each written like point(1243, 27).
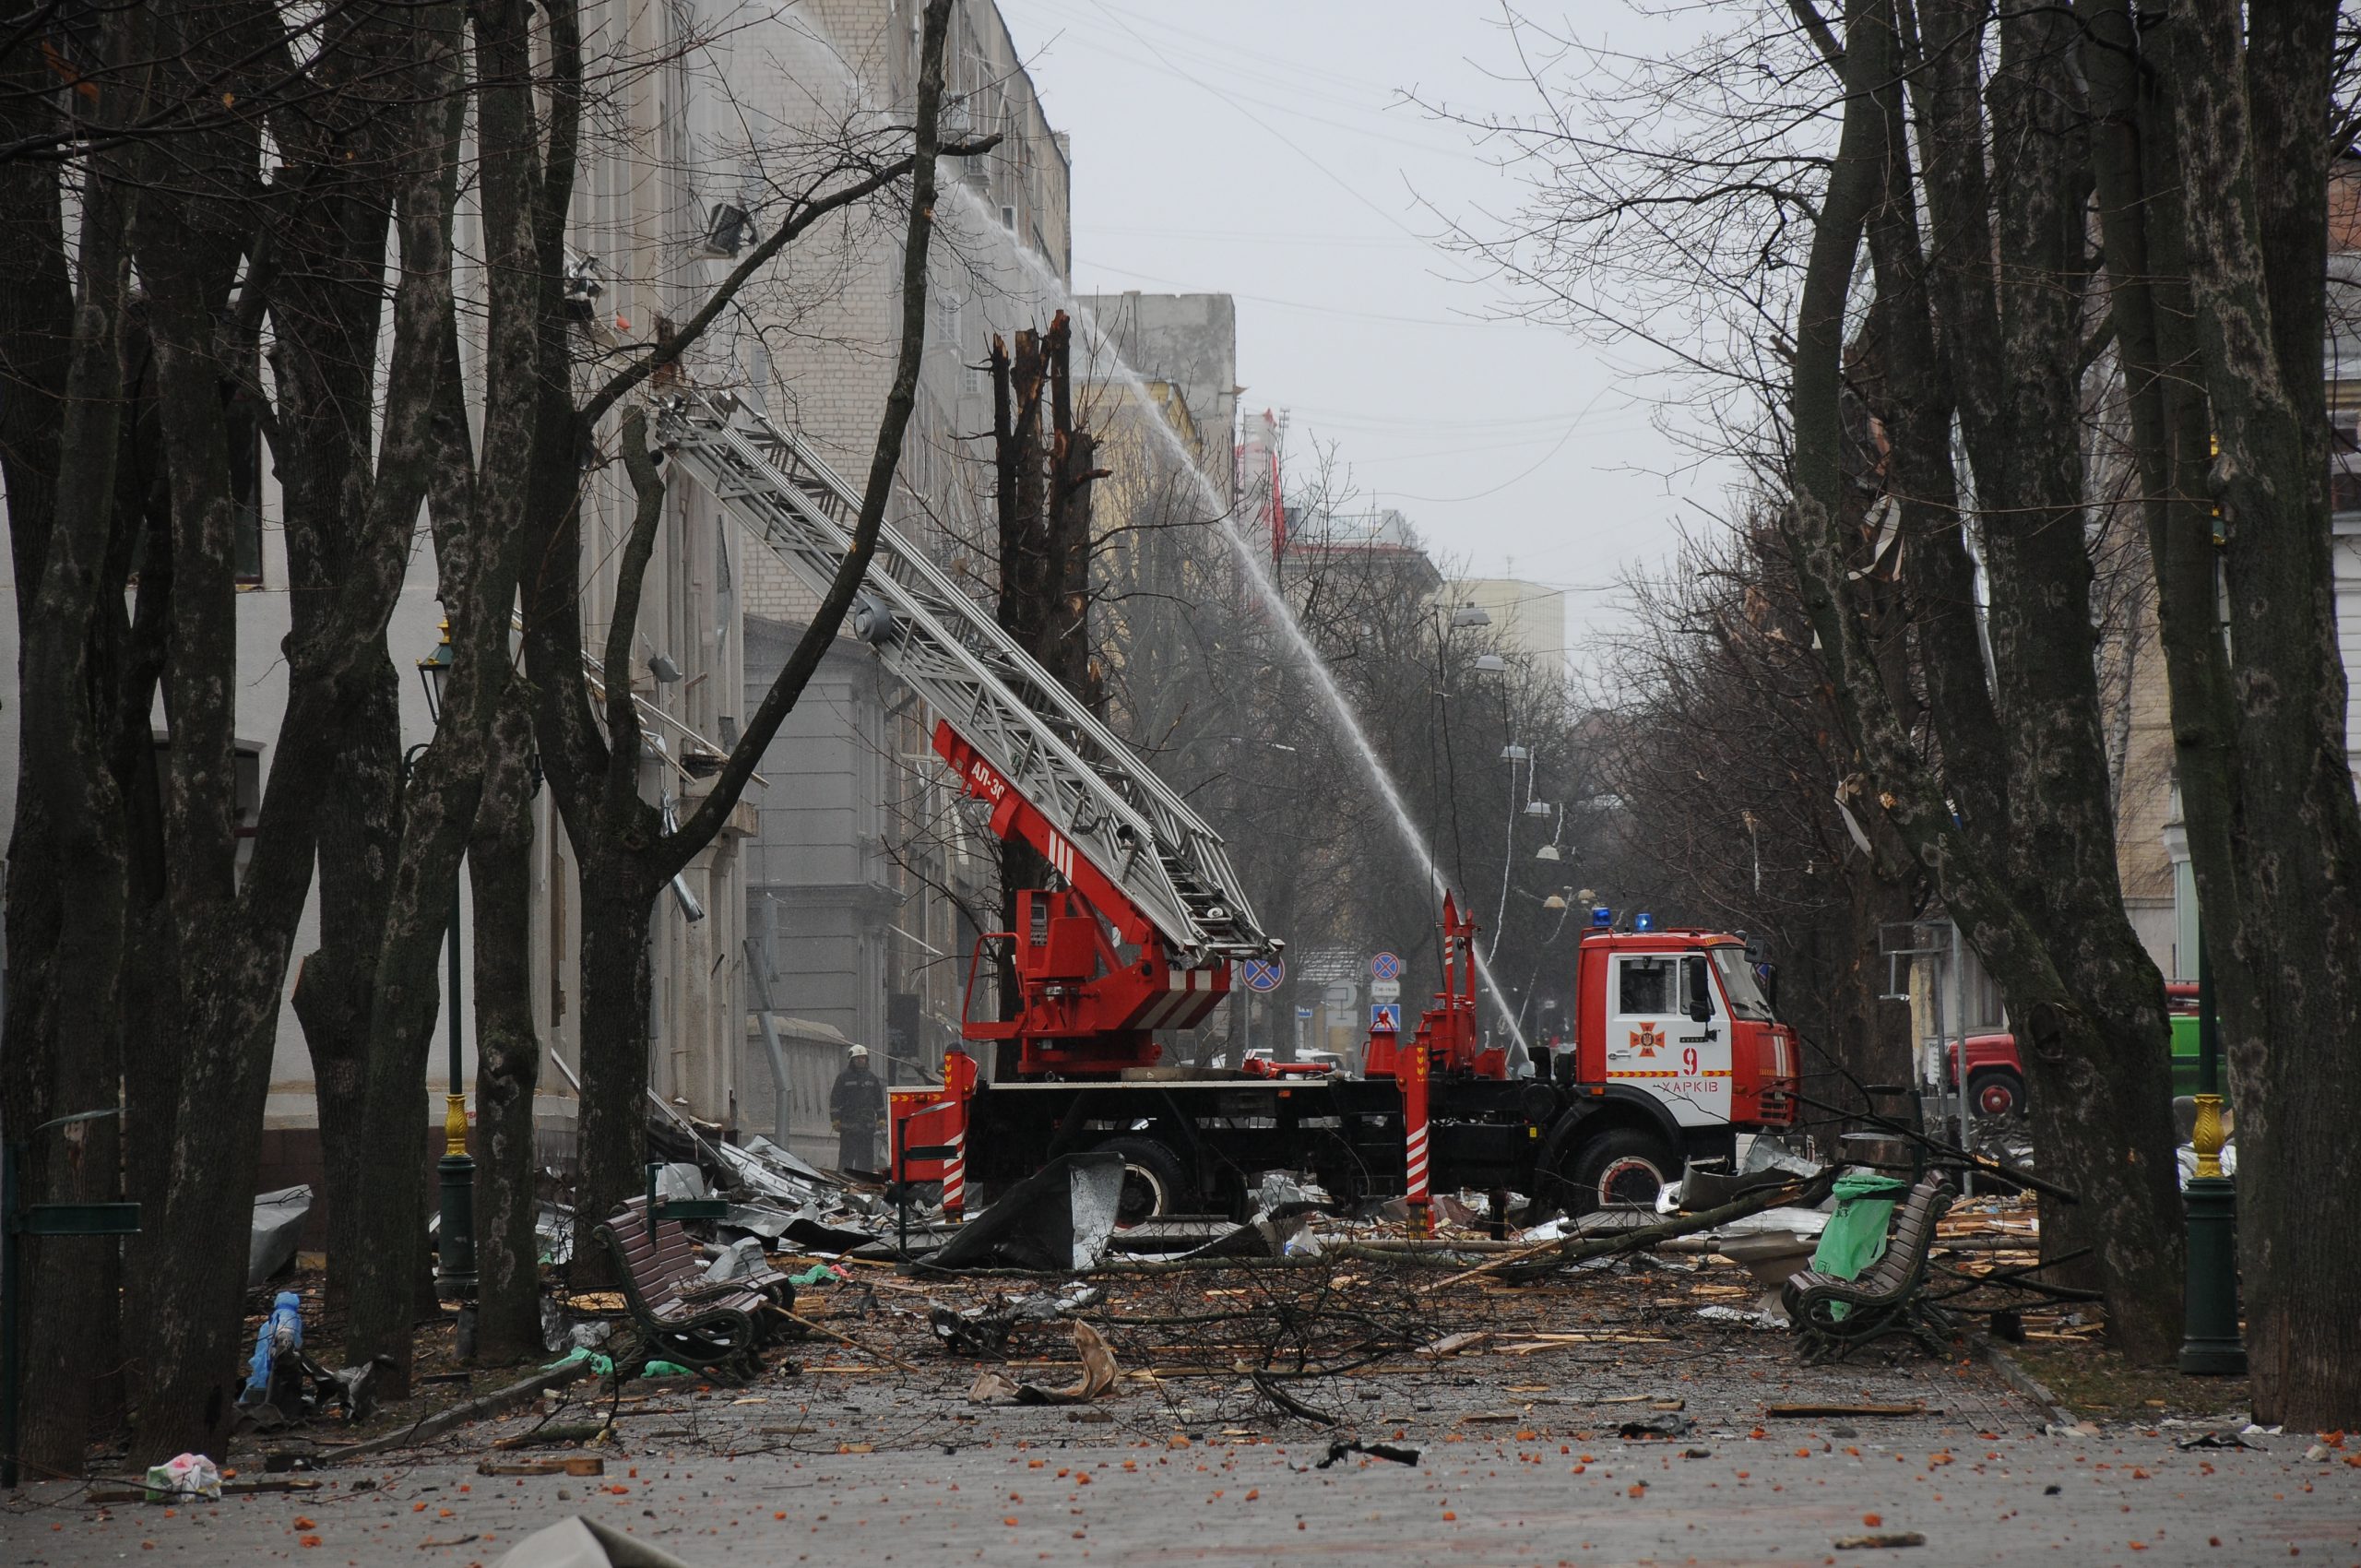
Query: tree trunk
point(617, 909)
point(2274, 831)
point(508, 1056)
point(2008, 932)
point(77, 815)
point(360, 835)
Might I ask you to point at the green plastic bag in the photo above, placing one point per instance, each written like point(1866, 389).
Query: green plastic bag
point(665, 1369)
point(818, 1274)
point(604, 1366)
point(1856, 1235)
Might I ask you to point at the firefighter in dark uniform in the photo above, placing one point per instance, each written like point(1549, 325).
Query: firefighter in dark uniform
point(857, 1111)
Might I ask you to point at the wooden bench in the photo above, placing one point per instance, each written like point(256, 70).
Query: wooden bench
point(1889, 1297)
point(711, 1326)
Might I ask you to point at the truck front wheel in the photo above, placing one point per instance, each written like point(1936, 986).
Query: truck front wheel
point(1620, 1169)
point(1996, 1093)
point(1154, 1181)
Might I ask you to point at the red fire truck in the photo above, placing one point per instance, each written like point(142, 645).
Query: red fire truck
point(1675, 1050)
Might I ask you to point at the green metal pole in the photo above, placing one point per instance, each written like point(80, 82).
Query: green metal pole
point(2210, 1343)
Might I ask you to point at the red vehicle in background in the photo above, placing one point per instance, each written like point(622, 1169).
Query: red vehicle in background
point(1996, 1078)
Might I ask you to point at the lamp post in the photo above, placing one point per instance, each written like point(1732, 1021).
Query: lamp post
point(454, 1265)
point(2210, 1344)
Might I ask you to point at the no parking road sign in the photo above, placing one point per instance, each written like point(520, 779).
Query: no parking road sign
point(1264, 974)
point(1385, 967)
point(1386, 1015)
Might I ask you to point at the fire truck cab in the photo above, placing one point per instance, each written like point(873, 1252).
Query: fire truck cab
point(1677, 1015)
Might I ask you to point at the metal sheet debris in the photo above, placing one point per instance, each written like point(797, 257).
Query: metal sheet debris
point(1059, 1217)
point(277, 1227)
point(579, 1543)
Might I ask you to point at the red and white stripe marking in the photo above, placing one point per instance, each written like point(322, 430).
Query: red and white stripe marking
point(954, 1174)
point(1062, 856)
point(1189, 994)
point(1417, 1154)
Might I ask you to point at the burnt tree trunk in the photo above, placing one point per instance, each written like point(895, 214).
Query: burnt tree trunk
point(1043, 463)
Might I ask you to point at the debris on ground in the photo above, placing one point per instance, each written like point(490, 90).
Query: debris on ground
point(275, 1376)
point(1059, 1217)
point(278, 1228)
point(1099, 1372)
point(583, 1543)
point(1761, 1317)
point(1880, 1539)
point(184, 1475)
point(2220, 1440)
point(1396, 1452)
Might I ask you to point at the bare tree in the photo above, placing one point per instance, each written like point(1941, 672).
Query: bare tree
point(1957, 165)
point(625, 852)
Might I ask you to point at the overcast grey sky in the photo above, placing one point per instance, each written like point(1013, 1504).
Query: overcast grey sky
point(1264, 150)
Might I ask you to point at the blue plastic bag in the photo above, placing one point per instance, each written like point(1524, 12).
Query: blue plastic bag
point(281, 1334)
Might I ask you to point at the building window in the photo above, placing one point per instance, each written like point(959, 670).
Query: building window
point(2344, 460)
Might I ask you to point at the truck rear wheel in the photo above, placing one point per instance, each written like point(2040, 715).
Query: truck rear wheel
point(1620, 1169)
point(1154, 1181)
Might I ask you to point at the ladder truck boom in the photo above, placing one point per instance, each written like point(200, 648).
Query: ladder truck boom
point(1053, 774)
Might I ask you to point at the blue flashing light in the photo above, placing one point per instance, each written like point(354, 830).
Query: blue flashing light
point(1643, 921)
point(1602, 917)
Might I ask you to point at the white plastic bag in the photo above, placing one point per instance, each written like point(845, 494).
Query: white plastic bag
point(184, 1475)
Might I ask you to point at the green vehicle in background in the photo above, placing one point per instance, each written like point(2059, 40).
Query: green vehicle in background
point(1995, 1078)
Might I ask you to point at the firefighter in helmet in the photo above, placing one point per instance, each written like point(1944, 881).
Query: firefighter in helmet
point(857, 1111)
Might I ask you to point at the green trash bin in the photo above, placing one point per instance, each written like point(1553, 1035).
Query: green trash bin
point(1856, 1233)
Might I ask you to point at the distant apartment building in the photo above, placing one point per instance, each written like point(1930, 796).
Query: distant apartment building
point(1528, 619)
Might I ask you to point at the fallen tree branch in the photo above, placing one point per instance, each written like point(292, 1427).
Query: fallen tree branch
point(1577, 1249)
point(841, 1340)
point(1288, 1402)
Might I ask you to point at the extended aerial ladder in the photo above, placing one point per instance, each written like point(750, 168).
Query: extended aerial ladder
point(1126, 845)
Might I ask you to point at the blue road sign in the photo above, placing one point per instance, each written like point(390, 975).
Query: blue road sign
point(1304, 1014)
point(1386, 1015)
point(1264, 974)
point(1385, 967)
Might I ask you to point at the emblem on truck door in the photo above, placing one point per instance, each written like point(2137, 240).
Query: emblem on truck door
point(1646, 1037)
